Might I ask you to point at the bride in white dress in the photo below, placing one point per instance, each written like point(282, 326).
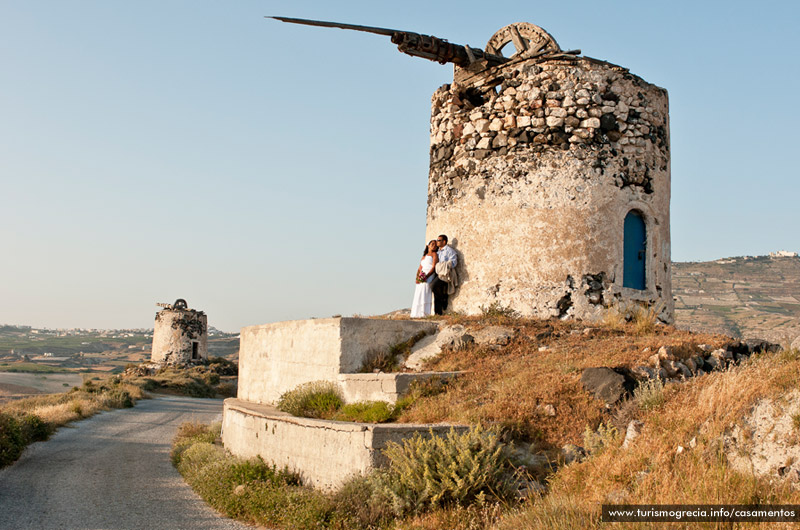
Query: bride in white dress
point(421, 306)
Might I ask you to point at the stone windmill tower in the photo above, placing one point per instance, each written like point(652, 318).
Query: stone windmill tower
point(180, 335)
point(553, 172)
point(550, 173)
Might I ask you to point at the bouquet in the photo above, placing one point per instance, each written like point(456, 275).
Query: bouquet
point(421, 277)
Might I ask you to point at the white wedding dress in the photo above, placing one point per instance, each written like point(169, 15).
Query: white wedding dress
point(421, 306)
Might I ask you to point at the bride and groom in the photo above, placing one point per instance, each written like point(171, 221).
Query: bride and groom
point(435, 278)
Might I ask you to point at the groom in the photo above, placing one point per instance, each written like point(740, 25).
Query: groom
point(438, 286)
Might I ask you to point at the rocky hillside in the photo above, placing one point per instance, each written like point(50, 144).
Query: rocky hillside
point(744, 297)
point(623, 412)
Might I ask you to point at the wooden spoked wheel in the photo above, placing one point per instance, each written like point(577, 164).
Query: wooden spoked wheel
point(527, 39)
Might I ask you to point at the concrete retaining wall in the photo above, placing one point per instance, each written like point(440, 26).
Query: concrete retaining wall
point(275, 358)
point(326, 453)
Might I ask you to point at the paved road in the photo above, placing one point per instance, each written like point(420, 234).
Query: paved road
point(111, 471)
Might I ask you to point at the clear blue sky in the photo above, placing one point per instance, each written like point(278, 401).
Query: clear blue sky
point(151, 150)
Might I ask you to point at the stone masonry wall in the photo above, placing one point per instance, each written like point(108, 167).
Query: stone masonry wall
point(532, 173)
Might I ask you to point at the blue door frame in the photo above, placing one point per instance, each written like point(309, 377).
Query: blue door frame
point(635, 255)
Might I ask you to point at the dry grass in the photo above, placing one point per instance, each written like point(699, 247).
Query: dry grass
point(60, 409)
point(511, 386)
point(653, 471)
point(457, 518)
point(508, 387)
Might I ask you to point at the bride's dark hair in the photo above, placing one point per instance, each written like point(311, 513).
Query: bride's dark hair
point(425, 252)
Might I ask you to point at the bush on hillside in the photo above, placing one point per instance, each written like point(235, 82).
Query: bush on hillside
point(316, 399)
point(16, 432)
point(598, 441)
point(366, 412)
point(649, 394)
point(456, 470)
point(222, 366)
point(11, 440)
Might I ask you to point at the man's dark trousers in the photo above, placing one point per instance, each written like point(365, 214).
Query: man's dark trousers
point(439, 289)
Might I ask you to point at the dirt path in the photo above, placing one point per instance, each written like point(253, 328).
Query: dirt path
point(111, 471)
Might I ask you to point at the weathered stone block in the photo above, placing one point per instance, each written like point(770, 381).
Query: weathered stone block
point(387, 387)
point(591, 122)
point(553, 121)
point(275, 358)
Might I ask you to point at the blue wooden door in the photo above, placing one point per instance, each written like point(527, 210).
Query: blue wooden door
point(635, 251)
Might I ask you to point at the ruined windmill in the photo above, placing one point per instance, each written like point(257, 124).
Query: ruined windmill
point(180, 335)
point(552, 172)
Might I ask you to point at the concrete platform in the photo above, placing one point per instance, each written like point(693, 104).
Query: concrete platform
point(275, 358)
point(324, 452)
point(383, 386)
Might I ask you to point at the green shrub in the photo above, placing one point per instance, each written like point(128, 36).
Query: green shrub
point(382, 361)
point(33, 428)
point(88, 387)
point(366, 412)
point(17, 431)
point(598, 441)
point(317, 399)
point(12, 440)
point(117, 399)
point(194, 388)
point(256, 470)
point(148, 385)
point(212, 378)
point(196, 455)
point(357, 504)
point(649, 394)
point(434, 471)
point(222, 366)
point(498, 312)
point(250, 490)
point(227, 389)
point(192, 433)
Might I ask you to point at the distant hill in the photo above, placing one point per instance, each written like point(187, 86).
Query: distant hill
point(744, 297)
point(91, 350)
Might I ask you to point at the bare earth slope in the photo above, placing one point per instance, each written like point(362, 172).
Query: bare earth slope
point(744, 297)
point(111, 471)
